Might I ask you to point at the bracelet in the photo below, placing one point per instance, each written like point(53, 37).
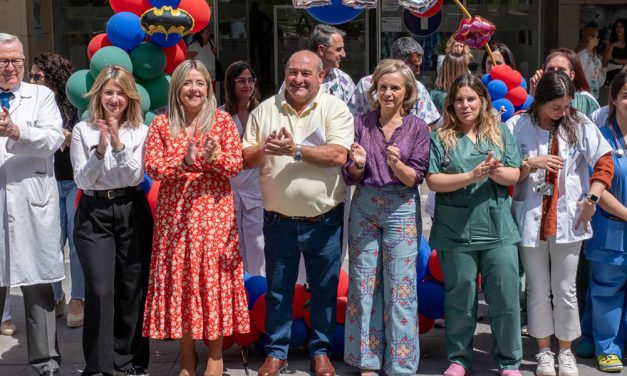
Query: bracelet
point(99, 155)
point(119, 150)
point(358, 166)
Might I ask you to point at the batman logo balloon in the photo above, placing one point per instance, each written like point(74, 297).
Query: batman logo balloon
point(167, 20)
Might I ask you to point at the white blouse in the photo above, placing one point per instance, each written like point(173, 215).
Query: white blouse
point(115, 170)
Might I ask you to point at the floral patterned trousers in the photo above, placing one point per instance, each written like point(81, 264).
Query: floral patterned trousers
point(382, 311)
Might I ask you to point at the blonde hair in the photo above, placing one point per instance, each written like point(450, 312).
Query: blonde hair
point(585, 34)
point(487, 125)
point(449, 48)
point(453, 66)
point(389, 66)
point(206, 116)
point(124, 79)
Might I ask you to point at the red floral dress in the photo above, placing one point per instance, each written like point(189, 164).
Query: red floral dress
point(196, 273)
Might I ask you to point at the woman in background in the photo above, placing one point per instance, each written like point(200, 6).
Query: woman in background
point(454, 65)
point(590, 60)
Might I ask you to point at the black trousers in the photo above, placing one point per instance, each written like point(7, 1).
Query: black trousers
point(113, 240)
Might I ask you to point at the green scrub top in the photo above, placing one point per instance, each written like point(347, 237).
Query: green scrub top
point(478, 216)
point(584, 103)
point(438, 97)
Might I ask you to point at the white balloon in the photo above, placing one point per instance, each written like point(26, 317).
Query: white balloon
point(304, 4)
point(418, 6)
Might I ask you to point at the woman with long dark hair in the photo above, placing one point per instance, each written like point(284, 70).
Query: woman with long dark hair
point(241, 90)
point(53, 71)
point(502, 55)
point(473, 159)
point(554, 200)
point(615, 54)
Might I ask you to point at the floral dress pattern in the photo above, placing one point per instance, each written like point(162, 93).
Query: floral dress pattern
point(196, 273)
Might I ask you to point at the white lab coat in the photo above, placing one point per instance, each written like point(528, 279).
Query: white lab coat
point(573, 179)
point(29, 199)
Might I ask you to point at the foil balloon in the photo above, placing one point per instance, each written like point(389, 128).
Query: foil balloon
point(360, 4)
point(304, 4)
point(475, 32)
point(166, 24)
point(418, 6)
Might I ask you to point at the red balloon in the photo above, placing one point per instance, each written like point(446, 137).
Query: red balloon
point(301, 297)
point(342, 286)
point(200, 12)
point(247, 339)
point(517, 96)
point(96, 43)
point(424, 323)
point(258, 314)
point(512, 79)
point(435, 269)
point(432, 11)
point(134, 6)
point(307, 317)
point(77, 198)
point(175, 56)
point(500, 72)
point(152, 196)
point(340, 314)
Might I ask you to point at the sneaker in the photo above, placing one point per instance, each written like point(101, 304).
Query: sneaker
point(524, 331)
point(567, 364)
point(137, 371)
point(546, 364)
point(609, 363)
point(7, 328)
point(75, 315)
point(455, 370)
point(59, 307)
point(509, 372)
point(585, 349)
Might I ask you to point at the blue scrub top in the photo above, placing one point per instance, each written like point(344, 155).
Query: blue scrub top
point(609, 243)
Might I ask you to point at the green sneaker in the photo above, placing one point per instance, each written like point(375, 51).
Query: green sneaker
point(609, 363)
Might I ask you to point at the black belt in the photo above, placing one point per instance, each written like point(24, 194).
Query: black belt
point(113, 193)
point(317, 218)
point(611, 217)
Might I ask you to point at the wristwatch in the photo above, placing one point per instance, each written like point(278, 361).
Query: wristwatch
point(298, 154)
point(593, 198)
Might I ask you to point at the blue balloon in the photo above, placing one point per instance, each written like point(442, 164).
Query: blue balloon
point(423, 259)
point(260, 345)
point(337, 342)
point(246, 276)
point(527, 103)
point(431, 298)
point(506, 105)
point(146, 183)
point(124, 30)
point(497, 89)
point(486, 78)
point(165, 40)
point(334, 14)
point(299, 333)
point(165, 3)
point(523, 83)
point(256, 286)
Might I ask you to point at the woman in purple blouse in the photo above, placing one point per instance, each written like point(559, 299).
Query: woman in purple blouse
point(387, 162)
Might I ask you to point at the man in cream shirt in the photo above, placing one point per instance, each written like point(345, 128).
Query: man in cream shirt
point(300, 138)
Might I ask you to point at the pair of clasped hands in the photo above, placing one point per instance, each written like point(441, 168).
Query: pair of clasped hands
point(109, 133)
point(208, 149)
point(280, 143)
point(7, 127)
point(358, 155)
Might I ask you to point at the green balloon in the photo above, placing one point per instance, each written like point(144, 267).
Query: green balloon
point(149, 117)
point(158, 90)
point(77, 85)
point(108, 56)
point(145, 98)
point(149, 60)
point(85, 115)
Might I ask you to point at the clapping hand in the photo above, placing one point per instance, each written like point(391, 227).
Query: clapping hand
point(210, 148)
point(485, 168)
point(104, 140)
point(358, 154)
point(7, 127)
point(280, 143)
point(393, 155)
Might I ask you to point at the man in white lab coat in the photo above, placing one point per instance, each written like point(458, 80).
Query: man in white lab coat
point(30, 133)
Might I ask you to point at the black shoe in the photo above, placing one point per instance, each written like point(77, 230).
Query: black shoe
point(51, 372)
point(137, 371)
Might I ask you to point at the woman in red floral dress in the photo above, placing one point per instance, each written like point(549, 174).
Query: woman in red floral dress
point(196, 288)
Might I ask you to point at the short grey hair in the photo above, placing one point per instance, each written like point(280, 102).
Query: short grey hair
point(9, 39)
point(321, 35)
point(403, 48)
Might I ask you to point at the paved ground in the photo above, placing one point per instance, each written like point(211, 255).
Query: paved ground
point(164, 354)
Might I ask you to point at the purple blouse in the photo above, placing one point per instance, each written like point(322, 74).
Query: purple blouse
point(411, 138)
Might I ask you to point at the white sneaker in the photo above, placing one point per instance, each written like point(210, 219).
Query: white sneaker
point(546, 364)
point(567, 364)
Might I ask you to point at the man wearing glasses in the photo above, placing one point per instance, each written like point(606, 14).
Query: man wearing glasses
point(30, 133)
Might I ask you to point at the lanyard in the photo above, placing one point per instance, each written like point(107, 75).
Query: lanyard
point(550, 143)
point(620, 145)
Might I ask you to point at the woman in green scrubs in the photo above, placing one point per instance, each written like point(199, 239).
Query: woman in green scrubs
point(473, 159)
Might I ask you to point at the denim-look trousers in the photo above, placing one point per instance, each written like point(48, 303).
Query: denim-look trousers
point(320, 243)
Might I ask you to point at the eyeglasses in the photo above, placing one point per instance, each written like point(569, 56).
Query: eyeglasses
point(244, 81)
point(17, 63)
point(36, 77)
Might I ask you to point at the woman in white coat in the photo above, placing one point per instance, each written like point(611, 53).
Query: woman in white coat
point(242, 96)
point(554, 200)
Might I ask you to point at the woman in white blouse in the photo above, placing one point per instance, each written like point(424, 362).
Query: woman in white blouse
point(591, 61)
point(113, 225)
